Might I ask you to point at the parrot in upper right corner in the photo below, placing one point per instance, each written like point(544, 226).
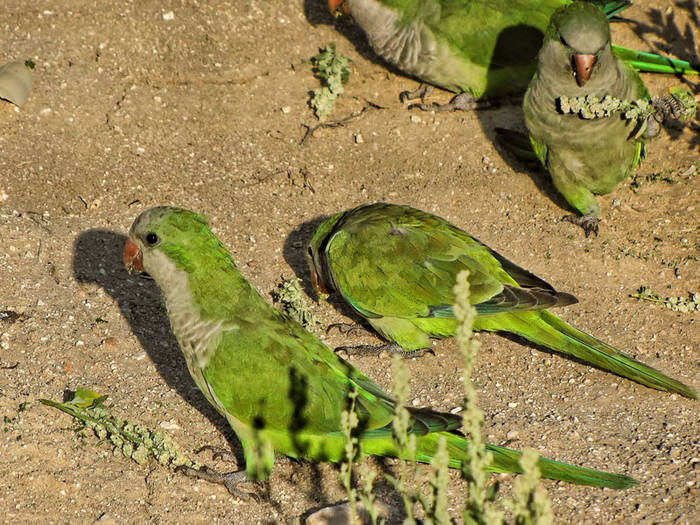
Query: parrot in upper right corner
point(478, 48)
point(278, 385)
point(583, 157)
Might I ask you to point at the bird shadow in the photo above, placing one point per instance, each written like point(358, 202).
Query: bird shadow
point(664, 35)
point(97, 259)
point(317, 13)
point(511, 117)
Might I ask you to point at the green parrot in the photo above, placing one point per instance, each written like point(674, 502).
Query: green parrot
point(275, 383)
point(584, 157)
point(396, 267)
point(481, 48)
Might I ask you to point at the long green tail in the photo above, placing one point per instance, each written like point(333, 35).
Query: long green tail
point(507, 460)
point(652, 63)
point(548, 330)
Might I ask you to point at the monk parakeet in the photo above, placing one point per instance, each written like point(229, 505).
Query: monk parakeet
point(584, 157)
point(483, 48)
point(396, 267)
point(277, 384)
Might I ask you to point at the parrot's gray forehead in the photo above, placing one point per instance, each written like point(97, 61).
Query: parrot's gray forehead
point(587, 32)
point(150, 218)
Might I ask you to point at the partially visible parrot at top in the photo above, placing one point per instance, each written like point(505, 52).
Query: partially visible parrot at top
point(585, 157)
point(483, 48)
point(278, 385)
point(396, 267)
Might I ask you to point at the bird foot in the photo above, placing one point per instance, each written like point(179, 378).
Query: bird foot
point(460, 102)
point(588, 222)
point(392, 348)
point(230, 480)
point(668, 107)
point(420, 92)
point(219, 453)
point(346, 328)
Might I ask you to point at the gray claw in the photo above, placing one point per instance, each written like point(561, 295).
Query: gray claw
point(588, 222)
point(217, 453)
point(230, 480)
point(420, 92)
point(392, 348)
point(345, 328)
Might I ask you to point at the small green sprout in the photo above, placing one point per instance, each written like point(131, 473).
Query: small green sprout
point(293, 302)
point(333, 71)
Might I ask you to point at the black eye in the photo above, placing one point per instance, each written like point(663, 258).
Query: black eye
point(152, 239)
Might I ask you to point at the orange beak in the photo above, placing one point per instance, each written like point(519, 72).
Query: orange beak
point(318, 284)
point(583, 67)
point(338, 7)
point(133, 258)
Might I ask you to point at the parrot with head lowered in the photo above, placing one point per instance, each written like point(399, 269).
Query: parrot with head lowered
point(583, 157)
point(274, 382)
point(396, 267)
point(482, 48)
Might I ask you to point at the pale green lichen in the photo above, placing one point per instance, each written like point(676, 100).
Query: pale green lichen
point(679, 104)
point(691, 303)
point(332, 69)
point(130, 440)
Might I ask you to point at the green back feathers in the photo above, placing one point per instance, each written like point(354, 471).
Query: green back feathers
point(395, 261)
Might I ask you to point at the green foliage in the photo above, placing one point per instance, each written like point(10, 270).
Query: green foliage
point(292, 301)
point(677, 304)
point(353, 454)
point(349, 422)
point(479, 508)
point(260, 457)
point(436, 508)
point(406, 443)
point(333, 71)
point(128, 439)
point(531, 505)
point(367, 495)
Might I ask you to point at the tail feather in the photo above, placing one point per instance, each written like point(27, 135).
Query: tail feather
point(508, 460)
point(548, 330)
point(613, 8)
point(653, 63)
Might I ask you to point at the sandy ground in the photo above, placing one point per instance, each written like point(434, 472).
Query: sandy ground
point(206, 110)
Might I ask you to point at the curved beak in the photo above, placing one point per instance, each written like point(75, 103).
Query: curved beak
point(338, 7)
point(583, 67)
point(133, 258)
point(319, 286)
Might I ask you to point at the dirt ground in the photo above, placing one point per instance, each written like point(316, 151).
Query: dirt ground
point(203, 105)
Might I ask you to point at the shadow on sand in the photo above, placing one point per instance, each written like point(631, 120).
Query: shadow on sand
point(97, 258)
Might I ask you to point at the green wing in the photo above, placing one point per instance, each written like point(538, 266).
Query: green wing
point(396, 261)
point(271, 373)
